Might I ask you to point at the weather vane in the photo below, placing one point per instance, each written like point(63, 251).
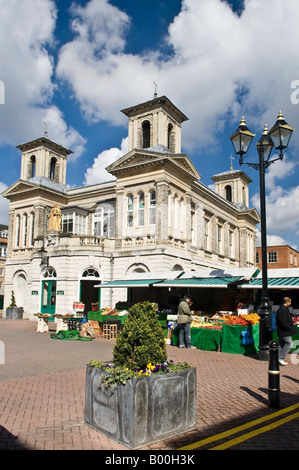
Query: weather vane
point(156, 86)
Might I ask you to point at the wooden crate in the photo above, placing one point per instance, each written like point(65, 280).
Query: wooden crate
point(109, 330)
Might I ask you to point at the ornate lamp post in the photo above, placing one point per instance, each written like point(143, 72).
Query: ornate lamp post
point(278, 137)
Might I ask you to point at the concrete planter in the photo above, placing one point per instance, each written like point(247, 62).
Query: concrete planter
point(14, 312)
point(145, 410)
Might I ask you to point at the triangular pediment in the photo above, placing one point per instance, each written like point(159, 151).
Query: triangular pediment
point(18, 187)
point(22, 187)
point(142, 158)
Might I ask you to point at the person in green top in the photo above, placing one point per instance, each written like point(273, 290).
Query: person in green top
point(184, 322)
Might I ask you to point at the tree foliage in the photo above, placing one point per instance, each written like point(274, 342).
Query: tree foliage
point(142, 339)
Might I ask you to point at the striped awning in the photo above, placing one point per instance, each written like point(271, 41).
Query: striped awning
point(273, 283)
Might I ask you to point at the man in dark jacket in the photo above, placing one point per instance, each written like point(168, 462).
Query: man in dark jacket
point(285, 330)
point(184, 321)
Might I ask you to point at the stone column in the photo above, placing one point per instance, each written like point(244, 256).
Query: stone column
point(120, 217)
point(162, 192)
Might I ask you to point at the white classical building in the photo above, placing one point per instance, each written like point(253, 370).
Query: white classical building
point(155, 216)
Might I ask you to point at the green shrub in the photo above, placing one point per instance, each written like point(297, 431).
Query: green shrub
point(142, 340)
point(12, 300)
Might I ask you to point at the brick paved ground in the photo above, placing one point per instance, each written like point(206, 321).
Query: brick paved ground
point(42, 388)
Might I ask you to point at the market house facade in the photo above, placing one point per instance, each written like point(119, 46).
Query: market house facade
point(154, 216)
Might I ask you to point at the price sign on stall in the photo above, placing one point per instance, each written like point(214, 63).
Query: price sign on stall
point(78, 306)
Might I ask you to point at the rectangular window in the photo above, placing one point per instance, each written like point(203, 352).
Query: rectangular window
point(31, 240)
point(80, 224)
point(231, 244)
point(272, 256)
point(257, 258)
point(206, 240)
point(193, 228)
point(175, 213)
point(219, 232)
point(104, 221)
point(67, 222)
point(75, 223)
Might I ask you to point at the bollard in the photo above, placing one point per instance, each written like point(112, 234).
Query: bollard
point(273, 376)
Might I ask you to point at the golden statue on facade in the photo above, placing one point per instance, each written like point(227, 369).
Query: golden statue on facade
point(55, 219)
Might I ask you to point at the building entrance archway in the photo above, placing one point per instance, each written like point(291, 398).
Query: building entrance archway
point(88, 293)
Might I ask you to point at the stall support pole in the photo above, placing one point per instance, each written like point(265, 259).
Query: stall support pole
point(273, 376)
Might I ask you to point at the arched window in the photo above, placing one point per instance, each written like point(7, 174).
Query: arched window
point(52, 168)
point(49, 272)
point(169, 137)
point(18, 224)
point(146, 134)
point(228, 193)
point(25, 229)
point(175, 212)
point(140, 219)
point(90, 272)
point(31, 240)
point(130, 210)
point(32, 166)
point(152, 208)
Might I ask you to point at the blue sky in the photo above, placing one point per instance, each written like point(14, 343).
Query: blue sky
point(75, 65)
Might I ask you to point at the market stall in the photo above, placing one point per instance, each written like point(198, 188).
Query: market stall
point(42, 322)
point(236, 334)
point(113, 316)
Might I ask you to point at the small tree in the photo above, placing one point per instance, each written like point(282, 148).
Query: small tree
point(142, 339)
point(12, 300)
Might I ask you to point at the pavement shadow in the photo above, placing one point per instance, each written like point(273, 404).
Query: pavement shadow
point(287, 399)
point(291, 378)
point(257, 396)
point(8, 441)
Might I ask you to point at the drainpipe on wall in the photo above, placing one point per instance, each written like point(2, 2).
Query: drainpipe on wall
point(111, 277)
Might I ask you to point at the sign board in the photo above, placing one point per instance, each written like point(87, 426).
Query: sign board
point(78, 306)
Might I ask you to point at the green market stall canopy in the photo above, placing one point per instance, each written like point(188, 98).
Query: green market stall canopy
point(243, 278)
point(220, 278)
point(201, 278)
point(141, 279)
point(277, 279)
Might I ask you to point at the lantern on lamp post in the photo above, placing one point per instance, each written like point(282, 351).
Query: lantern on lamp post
point(278, 137)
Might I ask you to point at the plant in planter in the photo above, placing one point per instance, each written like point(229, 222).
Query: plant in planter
point(141, 397)
point(12, 310)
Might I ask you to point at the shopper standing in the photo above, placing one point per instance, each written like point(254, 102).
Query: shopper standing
point(285, 330)
point(184, 322)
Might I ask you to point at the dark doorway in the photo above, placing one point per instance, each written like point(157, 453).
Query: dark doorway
point(89, 294)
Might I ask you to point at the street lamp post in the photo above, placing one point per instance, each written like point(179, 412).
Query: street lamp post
point(278, 137)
